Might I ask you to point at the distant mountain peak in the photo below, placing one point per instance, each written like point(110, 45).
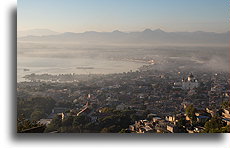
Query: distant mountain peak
point(159, 30)
point(68, 33)
point(155, 31)
point(91, 32)
point(117, 31)
point(147, 30)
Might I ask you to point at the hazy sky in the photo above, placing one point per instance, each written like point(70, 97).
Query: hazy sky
point(124, 15)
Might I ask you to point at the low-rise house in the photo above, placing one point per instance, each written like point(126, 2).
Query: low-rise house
point(187, 118)
point(226, 113)
point(172, 128)
point(226, 120)
point(211, 111)
point(161, 128)
point(156, 119)
point(132, 128)
point(170, 118)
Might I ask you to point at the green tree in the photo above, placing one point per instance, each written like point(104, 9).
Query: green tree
point(68, 122)
point(23, 124)
point(225, 129)
point(55, 124)
point(57, 121)
point(181, 122)
point(190, 112)
point(81, 120)
point(37, 115)
point(29, 105)
point(111, 129)
point(225, 105)
point(134, 118)
point(213, 126)
point(106, 110)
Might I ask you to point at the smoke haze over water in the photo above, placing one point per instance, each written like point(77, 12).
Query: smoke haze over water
point(65, 58)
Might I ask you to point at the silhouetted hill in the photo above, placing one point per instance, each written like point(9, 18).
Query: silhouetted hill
point(147, 36)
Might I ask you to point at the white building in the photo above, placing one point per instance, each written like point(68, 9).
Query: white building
point(190, 83)
point(187, 84)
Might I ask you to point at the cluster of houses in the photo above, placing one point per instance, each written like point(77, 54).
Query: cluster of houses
point(161, 93)
point(170, 124)
point(226, 116)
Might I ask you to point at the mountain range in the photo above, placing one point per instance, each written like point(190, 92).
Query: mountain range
point(36, 32)
point(147, 36)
